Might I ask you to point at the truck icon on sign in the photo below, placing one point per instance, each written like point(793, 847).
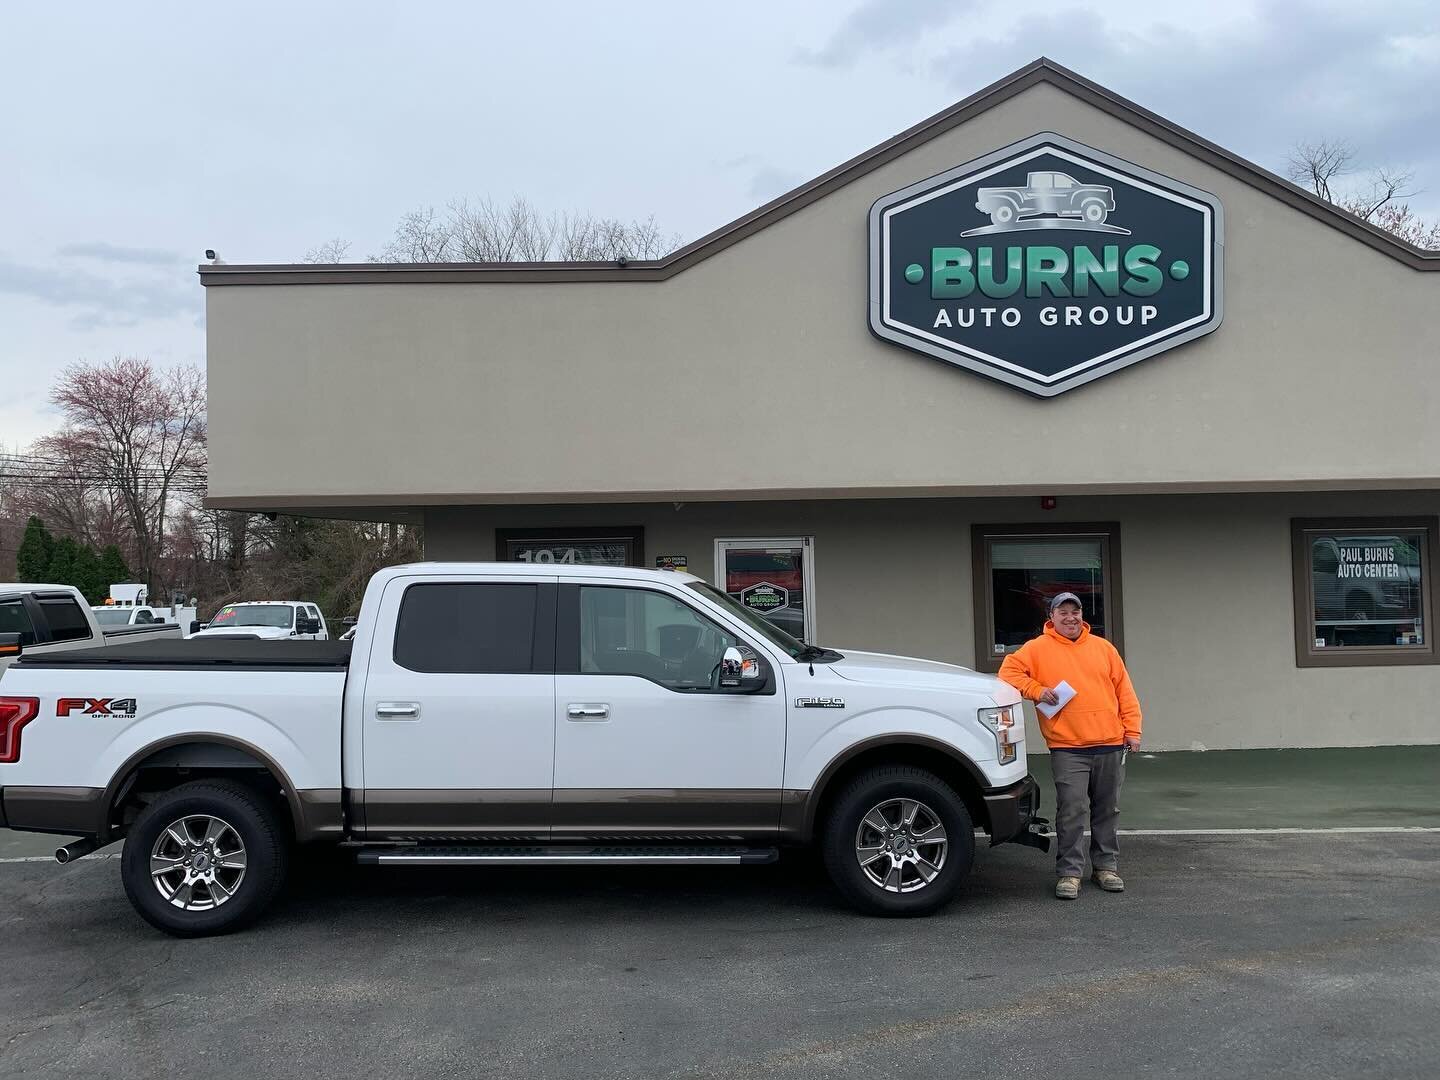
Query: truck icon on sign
point(1073, 205)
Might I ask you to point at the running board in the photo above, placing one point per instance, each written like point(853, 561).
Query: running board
point(556, 855)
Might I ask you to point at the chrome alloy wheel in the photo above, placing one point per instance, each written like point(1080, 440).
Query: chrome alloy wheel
point(198, 862)
point(901, 845)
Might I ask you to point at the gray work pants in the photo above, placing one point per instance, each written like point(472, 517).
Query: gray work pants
point(1087, 792)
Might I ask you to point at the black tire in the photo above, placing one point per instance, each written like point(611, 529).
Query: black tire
point(266, 857)
point(841, 834)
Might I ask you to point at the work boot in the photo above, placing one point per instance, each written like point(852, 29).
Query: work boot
point(1108, 880)
point(1067, 888)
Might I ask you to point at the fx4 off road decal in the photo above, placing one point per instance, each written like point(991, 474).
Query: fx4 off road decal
point(120, 707)
point(1045, 265)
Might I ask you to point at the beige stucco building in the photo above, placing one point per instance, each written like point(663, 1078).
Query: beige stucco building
point(1248, 507)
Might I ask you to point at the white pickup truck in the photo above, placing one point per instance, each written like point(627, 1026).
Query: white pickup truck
point(269, 620)
point(47, 619)
point(493, 714)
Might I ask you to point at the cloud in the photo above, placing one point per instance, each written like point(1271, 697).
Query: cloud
point(1256, 86)
point(104, 301)
point(117, 254)
point(878, 25)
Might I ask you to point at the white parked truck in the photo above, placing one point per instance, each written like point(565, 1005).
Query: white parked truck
point(47, 619)
point(505, 714)
point(269, 620)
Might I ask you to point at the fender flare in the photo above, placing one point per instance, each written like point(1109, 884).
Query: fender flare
point(119, 781)
point(804, 822)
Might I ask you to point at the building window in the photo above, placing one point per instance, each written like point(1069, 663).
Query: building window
point(1363, 594)
point(1018, 568)
point(571, 547)
point(774, 578)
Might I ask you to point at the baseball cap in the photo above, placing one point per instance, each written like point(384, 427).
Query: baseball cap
point(1056, 601)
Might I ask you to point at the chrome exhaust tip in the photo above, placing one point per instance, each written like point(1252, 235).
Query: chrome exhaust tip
point(78, 850)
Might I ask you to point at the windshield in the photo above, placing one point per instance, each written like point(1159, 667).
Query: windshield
point(112, 616)
point(280, 615)
point(769, 631)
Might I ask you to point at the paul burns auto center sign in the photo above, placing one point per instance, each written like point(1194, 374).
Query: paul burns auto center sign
point(1045, 265)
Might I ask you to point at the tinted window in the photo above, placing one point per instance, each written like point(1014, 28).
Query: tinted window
point(143, 618)
point(649, 634)
point(65, 619)
point(471, 628)
point(14, 619)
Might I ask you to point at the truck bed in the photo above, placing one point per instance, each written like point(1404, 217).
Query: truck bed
point(231, 653)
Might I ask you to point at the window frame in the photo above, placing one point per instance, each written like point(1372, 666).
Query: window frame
point(634, 535)
point(1306, 655)
point(983, 598)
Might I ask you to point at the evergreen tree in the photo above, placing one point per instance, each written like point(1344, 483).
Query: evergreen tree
point(62, 562)
point(37, 549)
point(113, 570)
point(85, 575)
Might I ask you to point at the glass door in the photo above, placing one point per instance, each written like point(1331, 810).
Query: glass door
point(773, 577)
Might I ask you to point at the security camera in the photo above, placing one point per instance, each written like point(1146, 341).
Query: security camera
point(210, 254)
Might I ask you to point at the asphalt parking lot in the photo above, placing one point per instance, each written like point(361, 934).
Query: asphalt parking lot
point(1276, 956)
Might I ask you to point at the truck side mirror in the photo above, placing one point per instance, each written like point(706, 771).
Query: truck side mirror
point(10, 646)
point(741, 669)
point(306, 625)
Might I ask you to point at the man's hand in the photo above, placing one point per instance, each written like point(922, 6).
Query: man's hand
point(1049, 697)
point(1132, 742)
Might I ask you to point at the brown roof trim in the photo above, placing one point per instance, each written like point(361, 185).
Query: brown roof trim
point(1039, 71)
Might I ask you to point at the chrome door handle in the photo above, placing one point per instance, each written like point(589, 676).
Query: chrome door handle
point(588, 713)
point(397, 710)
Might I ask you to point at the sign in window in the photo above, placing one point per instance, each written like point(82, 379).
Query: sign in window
point(772, 578)
point(1366, 589)
point(570, 547)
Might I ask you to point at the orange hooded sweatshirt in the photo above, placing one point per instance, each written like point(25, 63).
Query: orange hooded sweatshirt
point(1104, 709)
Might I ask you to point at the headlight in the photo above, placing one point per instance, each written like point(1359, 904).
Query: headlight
point(1002, 722)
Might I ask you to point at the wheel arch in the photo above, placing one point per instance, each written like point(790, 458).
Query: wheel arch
point(800, 816)
point(211, 753)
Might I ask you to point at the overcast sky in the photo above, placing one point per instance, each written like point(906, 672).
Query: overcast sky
point(137, 135)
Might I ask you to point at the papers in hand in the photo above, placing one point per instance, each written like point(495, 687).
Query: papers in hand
point(1064, 691)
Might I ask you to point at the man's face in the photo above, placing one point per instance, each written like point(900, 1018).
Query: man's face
point(1066, 618)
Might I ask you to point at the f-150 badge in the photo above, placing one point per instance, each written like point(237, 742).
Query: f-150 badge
point(819, 703)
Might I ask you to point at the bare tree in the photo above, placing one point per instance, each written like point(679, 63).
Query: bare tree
point(1318, 165)
point(331, 251)
point(488, 232)
point(141, 433)
point(1380, 198)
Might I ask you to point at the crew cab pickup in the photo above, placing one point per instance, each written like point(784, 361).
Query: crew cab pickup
point(46, 619)
point(504, 714)
point(1047, 193)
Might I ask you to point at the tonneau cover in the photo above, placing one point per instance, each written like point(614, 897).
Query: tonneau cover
point(226, 652)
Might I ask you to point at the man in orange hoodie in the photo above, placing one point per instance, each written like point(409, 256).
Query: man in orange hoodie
point(1087, 737)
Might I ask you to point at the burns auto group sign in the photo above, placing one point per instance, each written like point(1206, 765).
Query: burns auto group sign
point(1045, 265)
